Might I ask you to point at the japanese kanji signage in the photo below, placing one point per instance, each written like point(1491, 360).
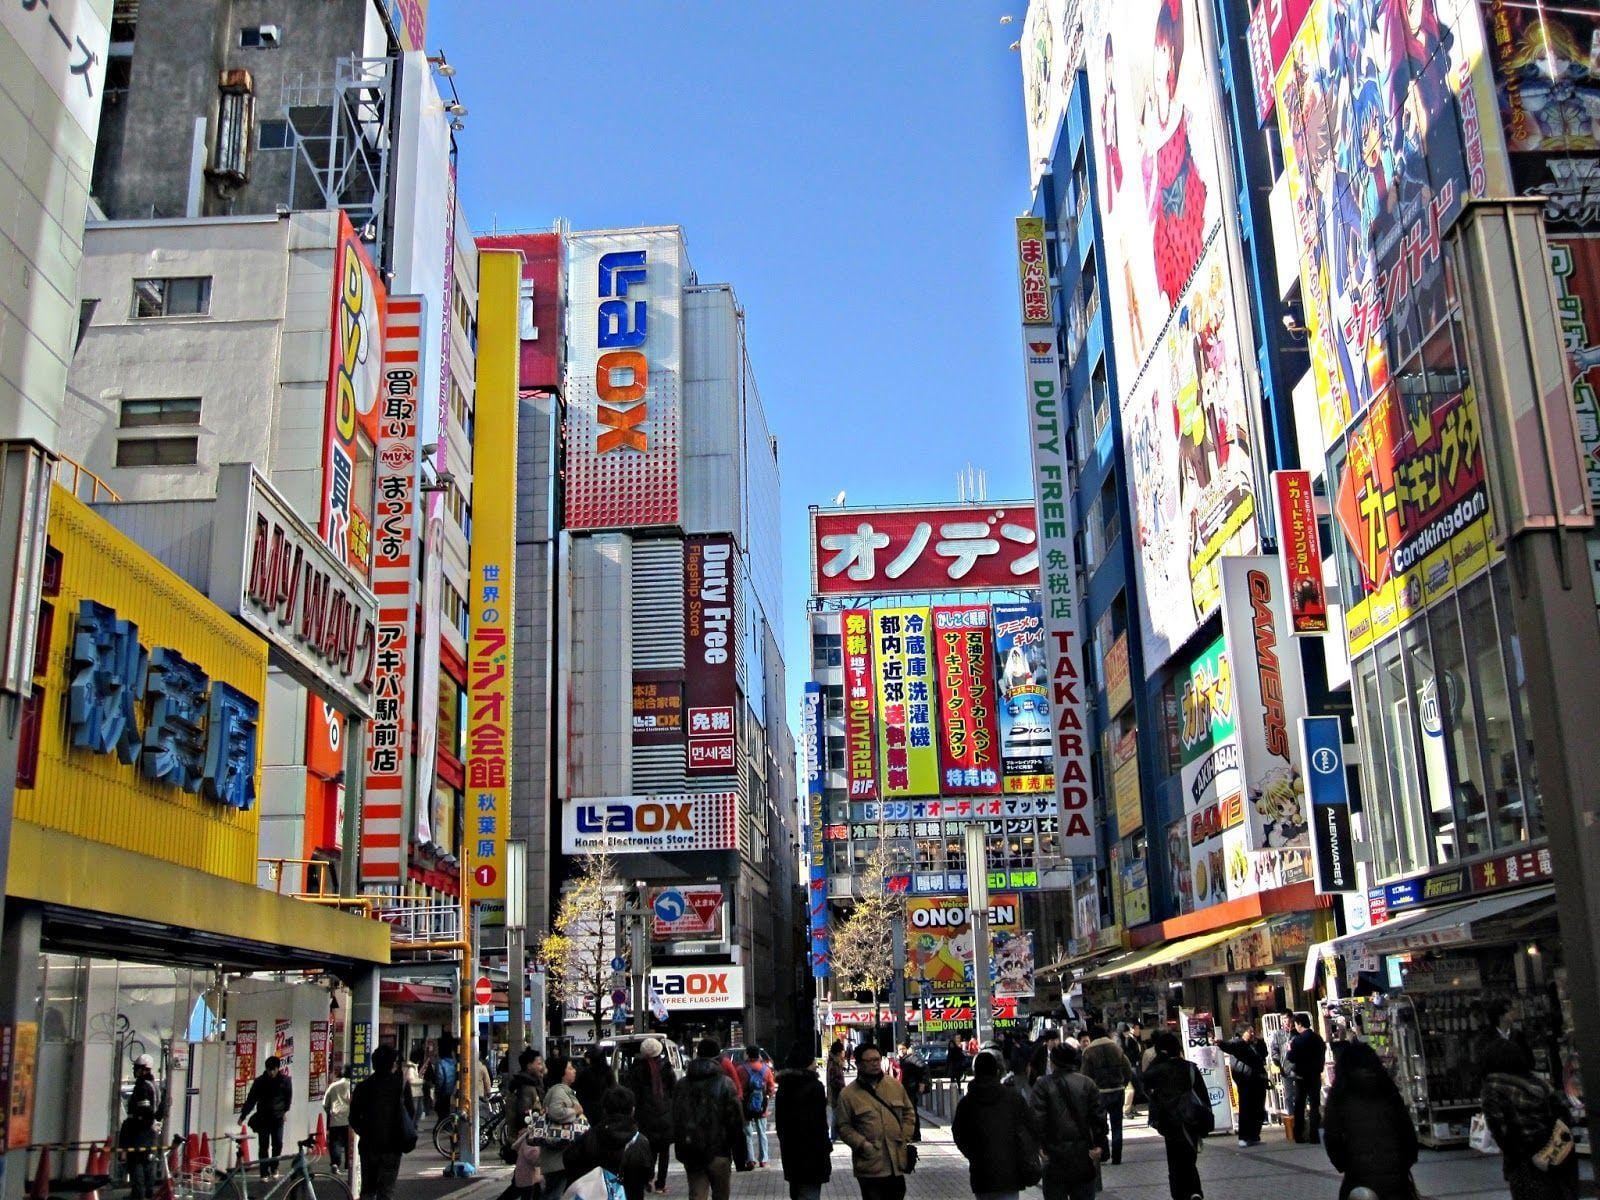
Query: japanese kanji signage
point(1300, 552)
point(394, 580)
point(657, 707)
point(244, 1060)
point(66, 41)
point(710, 595)
point(651, 824)
point(489, 648)
point(1058, 589)
point(1033, 272)
point(866, 552)
point(625, 346)
point(1023, 698)
point(969, 737)
point(860, 725)
point(903, 648)
point(686, 913)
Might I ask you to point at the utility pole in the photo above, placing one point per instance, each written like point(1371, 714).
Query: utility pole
point(1537, 486)
point(516, 932)
point(978, 909)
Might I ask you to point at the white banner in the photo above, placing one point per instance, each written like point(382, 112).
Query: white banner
point(682, 988)
point(651, 824)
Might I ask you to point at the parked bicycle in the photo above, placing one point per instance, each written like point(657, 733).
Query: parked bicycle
point(494, 1115)
point(299, 1182)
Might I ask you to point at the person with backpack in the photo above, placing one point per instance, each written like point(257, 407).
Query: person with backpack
point(877, 1120)
point(997, 1134)
point(384, 1120)
point(759, 1087)
point(1073, 1130)
point(444, 1079)
point(1180, 1111)
point(651, 1080)
point(615, 1145)
point(802, 1125)
point(708, 1125)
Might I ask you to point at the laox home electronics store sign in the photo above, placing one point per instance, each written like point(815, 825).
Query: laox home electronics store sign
point(651, 824)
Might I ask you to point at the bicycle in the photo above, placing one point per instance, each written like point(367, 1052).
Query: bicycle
point(300, 1182)
point(444, 1130)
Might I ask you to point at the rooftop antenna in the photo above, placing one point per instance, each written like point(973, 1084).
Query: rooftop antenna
point(972, 485)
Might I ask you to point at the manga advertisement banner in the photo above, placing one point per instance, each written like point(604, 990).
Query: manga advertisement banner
point(1173, 319)
point(1213, 802)
point(1273, 24)
point(1382, 145)
point(860, 721)
point(1575, 262)
point(939, 941)
point(1046, 77)
point(1269, 700)
point(1300, 552)
point(1546, 63)
point(1412, 505)
point(1180, 873)
point(902, 650)
point(969, 736)
point(1024, 698)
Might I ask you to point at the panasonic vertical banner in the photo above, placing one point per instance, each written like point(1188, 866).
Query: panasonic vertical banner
point(1058, 579)
point(1322, 750)
point(813, 746)
point(710, 568)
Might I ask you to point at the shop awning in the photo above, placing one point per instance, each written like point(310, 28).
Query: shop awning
point(1424, 928)
point(1166, 953)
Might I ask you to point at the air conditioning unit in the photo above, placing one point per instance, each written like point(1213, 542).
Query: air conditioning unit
point(271, 35)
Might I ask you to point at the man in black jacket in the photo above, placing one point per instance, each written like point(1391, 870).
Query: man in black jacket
point(265, 1107)
point(1307, 1051)
point(1072, 1127)
point(1250, 1077)
point(383, 1118)
point(707, 1126)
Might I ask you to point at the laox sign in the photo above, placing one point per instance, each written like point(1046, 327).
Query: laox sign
point(628, 818)
point(622, 374)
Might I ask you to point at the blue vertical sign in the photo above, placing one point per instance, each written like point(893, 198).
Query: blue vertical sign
point(812, 744)
point(1322, 751)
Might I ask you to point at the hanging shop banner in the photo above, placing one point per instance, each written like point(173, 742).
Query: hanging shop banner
point(1033, 272)
point(1024, 697)
point(1411, 502)
point(860, 695)
point(1575, 262)
point(939, 548)
point(317, 1070)
point(710, 568)
point(1123, 760)
point(969, 736)
point(1213, 801)
point(283, 1040)
point(651, 824)
point(1273, 24)
point(813, 744)
point(1269, 700)
point(1067, 754)
point(1546, 78)
point(1180, 870)
point(1381, 150)
point(902, 651)
point(1119, 681)
point(1300, 552)
point(939, 939)
point(394, 582)
point(692, 913)
point(624, 369)
point(355, 382)
point(657, 707)
point(1322, 750)
point(22, 1071)
point(492, 578)
point(244, 1061)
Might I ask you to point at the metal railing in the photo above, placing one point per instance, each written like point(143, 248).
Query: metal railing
point(414, 923)
point(75, 477)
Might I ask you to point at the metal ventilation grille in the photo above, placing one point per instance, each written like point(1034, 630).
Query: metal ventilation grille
point(657, 598)
point(659, 770)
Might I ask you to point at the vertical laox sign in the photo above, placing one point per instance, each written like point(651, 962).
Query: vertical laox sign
point(710, 678)
point(1058, 571)
point(623, 409)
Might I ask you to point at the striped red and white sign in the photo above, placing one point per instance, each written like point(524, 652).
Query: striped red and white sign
point(395, 566)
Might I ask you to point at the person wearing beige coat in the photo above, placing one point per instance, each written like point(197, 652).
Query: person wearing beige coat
point(877, 1121)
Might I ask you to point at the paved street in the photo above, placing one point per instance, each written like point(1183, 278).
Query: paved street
point(1275, 1170)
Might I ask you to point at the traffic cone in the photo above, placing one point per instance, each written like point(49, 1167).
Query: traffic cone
point(98, 1163)
point(205, 1151)
point(191, 1153)
point(243, 1139)
point(41, 1177)
point(321, 1148)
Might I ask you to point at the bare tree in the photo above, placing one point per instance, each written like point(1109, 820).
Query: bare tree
point(862, 953)
point(578, 950)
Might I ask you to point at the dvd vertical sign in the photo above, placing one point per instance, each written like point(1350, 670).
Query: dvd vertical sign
point(1058, 572)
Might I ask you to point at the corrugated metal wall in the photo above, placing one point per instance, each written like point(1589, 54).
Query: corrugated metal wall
point(657, 599)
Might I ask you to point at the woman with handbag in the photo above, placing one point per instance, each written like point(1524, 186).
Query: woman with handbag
point(1180, 1111)
point(1531, 1122)
point(563, 1115)
point(1367, 1128)
point(995, 1131)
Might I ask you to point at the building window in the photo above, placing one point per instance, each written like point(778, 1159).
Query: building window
point(275, 135)
point(260, 37)
point(833, 700)
point(836, 759)
point(168, 410)
point(181, 296)
point(158, 452)
point(827, 650)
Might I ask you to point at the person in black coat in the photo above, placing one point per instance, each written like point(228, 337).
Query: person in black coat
point(1166, 1080)
point(615, 1144)
point(996, 1132)
point(1250, 1077)
point(1522, 1110)
point(802, 1125)
point(651, 1080)
point(1369, 1133)
point(384, 1120)
point(266, 1105)
point(595, 1080)
point(1307, 1051)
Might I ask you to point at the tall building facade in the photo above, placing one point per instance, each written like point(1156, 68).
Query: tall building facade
point(1315, 579)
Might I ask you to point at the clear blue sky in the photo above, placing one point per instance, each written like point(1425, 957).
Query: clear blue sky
point(851, 169)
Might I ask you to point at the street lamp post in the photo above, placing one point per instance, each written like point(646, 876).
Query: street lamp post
point(978, 907)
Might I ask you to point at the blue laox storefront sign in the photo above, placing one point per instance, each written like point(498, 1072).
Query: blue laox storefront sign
point(199, 734)
point(811, 741)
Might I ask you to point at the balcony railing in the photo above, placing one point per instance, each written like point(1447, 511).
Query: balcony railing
point(415, 925)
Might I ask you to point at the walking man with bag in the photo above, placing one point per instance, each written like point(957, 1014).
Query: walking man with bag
point(877, 1121)
point(708, 1125)
point(1180, 1111)
point(265, 1107)
point(382, 1116)
point(759, 1086)
point(996, 1133)
point(1105, 1062)
point(1249, 1056)
point(1073, 1130)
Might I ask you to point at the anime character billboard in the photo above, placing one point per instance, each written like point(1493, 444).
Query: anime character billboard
point(1382, 145)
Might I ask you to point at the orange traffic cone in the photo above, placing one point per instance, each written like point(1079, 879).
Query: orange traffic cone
point(321, 1148)
point(205, 1151)
point(41, 1177)
point(243, 1140)
point(191, 1153)
point(98, 1163)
